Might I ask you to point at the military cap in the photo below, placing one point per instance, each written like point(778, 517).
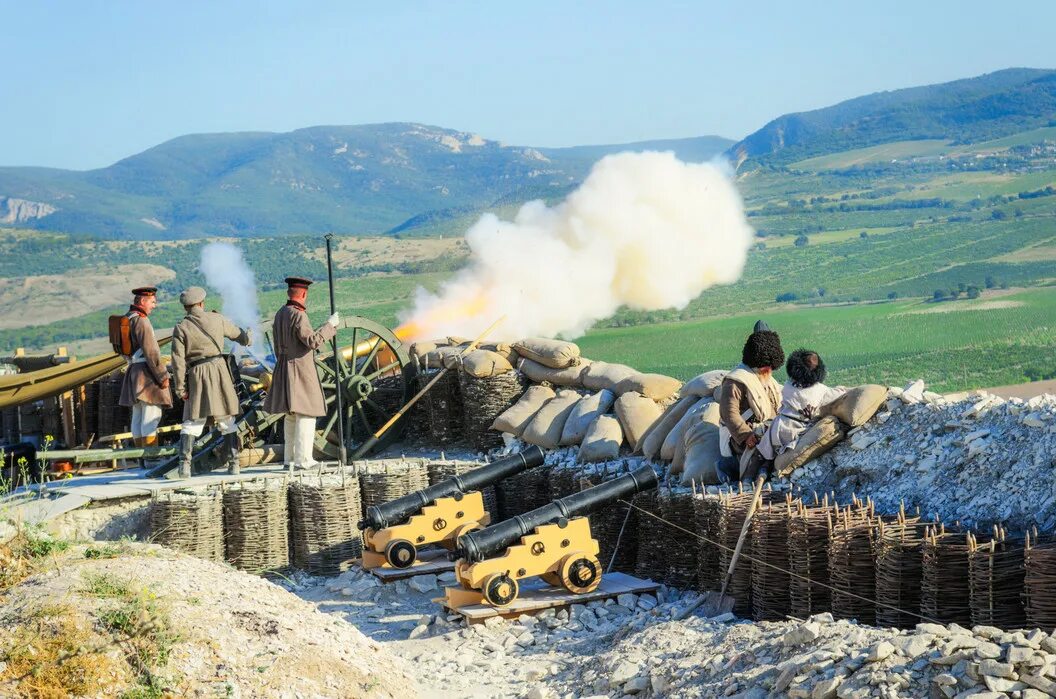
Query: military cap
point(298, 282)
point(145, 291)
point(193, 295)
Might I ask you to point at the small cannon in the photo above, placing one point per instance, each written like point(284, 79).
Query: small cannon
point(439, 514)
point(553, 542)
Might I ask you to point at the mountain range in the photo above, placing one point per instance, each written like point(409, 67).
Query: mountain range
point(388, 178)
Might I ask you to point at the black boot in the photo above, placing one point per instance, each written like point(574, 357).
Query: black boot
point(186, 451)
point(232, 443)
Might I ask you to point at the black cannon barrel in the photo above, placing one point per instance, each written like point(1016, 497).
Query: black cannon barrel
point(491, 541)
point(395, 511)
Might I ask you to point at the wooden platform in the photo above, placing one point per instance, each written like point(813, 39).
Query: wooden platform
point(429, 561)
point(536, 596)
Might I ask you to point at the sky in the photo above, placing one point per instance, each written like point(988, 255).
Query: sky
point(88, 82)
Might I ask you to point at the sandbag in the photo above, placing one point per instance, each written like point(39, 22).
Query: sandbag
point(539, 373)
point(601, 375)
point(636, 414)
point(702, 454)
point(583, 415)
point(674, 437)
point(603, 440)
point(503, 348)
point(703, 385)
point(545, 428)
point(855, 407)
point(518, 415)
point(709, 414)
point(422, 349)
point(654, 438)
point(818, 439)
point(484, 364)
point(556, 354)
point(655, 386)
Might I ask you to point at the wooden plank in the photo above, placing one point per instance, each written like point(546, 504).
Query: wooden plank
point(536, 596)
point(430, 561)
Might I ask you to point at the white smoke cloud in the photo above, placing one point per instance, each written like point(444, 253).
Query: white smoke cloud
point(644, 230)
point(226, 271)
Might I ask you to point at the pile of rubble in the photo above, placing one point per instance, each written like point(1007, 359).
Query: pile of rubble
point(974, 458)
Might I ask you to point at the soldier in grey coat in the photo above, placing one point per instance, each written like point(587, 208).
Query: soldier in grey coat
point(203, 378)
point(145, 387)
point(295, 388)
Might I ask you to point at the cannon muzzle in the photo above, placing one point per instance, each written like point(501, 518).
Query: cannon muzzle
point(489, 542)
point(396, 511)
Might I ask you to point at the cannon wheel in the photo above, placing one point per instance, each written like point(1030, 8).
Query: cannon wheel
point(374, 385)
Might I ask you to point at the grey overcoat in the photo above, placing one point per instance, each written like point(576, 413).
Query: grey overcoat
point(211, 393)
point(295, 382)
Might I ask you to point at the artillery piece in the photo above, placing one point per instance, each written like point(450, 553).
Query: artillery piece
point(553, 542)
point(395, 531)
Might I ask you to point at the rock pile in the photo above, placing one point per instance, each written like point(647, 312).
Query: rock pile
point(976, 458)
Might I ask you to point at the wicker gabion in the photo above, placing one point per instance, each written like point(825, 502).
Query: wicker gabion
point(324, 511)
point(997, 578)
point(770, 581)
point(945, 585)
point(387, 479)
point(190, 522)
point(899, 548)
point(524, 492)
point(808, 558)
point(442, 407)
point(676, 507)
point(706, 512)
point(852, 573)
point(1039, 584)
point(442, 470)
point(733, 508)
point(614, 526)
point(652, 558)
point(483, 400)
point(257, 525)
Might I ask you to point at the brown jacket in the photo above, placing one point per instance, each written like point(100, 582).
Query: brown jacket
point(734, 401)
point(295, 383)
point(211, 392)
point(143, 378)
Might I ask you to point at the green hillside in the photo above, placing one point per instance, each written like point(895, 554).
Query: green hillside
point(352, 179)
point(966, 111)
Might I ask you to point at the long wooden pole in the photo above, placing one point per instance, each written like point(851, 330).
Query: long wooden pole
point(369, 444)
point(342, 456)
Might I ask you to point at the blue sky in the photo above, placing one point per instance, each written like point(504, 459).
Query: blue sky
point(87, 82)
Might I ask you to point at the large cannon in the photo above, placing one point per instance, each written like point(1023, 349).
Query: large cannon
point(439, 514)
point(553, 542)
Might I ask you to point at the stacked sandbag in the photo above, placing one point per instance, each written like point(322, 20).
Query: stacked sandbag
point(516, 418)
point(654, 440)
point(674, 437)
point(636, 414)
point(485, 363)
point(602, 441)
point(556, 354)
point(483, 400)
point(588, 409)
point(654, 386)
point(701, 442)
point(603, 375)
point(571, 376)
point(701, 410)
point(546, 426)
point(704, 385)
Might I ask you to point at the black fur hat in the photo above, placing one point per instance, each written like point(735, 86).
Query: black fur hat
point(805, 368)
point(763, 348)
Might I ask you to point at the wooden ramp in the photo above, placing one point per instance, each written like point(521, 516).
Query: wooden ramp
point(536, 596)
point(429, 561)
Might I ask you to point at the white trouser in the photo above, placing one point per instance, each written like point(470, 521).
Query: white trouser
point(299, 434)
point(196, 427)
point(145, 419)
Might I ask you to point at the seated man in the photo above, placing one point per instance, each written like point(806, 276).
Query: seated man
point(749, 400)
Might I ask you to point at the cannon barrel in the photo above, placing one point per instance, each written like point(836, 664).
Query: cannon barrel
point(489, 542)
point(395, 511)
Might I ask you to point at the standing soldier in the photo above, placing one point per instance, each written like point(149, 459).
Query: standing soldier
point(203, 377)
point(145, 387)
point(295, 388)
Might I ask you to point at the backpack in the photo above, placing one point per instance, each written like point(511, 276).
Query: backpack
point(121, 335)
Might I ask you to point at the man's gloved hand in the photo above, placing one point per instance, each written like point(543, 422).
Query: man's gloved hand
point(249, 337)
point(334, 319)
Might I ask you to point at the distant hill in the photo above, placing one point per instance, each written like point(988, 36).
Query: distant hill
point(963, 111)
point(349, 179)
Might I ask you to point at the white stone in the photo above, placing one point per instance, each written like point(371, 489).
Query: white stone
point(623, 672)
point(423, 583)
point(803, 633)
point(880, 652)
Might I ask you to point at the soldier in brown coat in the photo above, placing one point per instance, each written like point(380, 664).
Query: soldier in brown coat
point(145, 387)
point(295, 388)
point(203, 378)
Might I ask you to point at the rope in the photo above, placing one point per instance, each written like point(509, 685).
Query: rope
point(778, 568)
point(619, 537)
